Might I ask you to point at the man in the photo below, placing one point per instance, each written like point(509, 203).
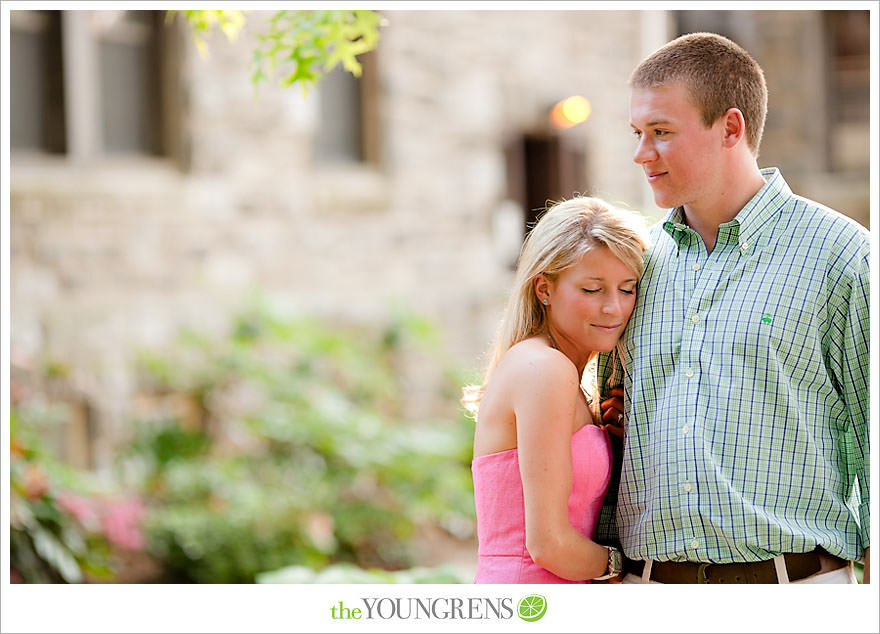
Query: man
point(745, 370)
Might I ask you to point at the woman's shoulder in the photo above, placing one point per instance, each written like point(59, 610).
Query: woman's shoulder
point(533, 361)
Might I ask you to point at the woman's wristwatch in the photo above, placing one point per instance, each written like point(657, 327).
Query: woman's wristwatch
point(615, 564)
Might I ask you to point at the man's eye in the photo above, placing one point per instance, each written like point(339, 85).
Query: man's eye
point(661, 132)
point(637, 134)
point(590, 290)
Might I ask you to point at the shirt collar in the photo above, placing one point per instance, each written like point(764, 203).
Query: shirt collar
point(749, 222)
point(755, 217)
point(674, 225)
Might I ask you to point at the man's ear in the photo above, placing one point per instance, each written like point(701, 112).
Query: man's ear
point(734, 127)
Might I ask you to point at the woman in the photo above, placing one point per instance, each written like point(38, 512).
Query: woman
point(542, 459)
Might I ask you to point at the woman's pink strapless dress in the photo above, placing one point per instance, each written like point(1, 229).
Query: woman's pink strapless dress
point(501, 523)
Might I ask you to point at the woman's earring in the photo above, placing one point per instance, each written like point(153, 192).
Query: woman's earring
point(546, 301)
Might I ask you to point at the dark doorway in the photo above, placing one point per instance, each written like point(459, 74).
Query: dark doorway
point(544, 168)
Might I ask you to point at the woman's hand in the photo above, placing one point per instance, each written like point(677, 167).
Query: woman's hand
point(612, 412)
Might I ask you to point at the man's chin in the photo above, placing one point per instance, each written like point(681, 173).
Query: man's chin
point(665, 202)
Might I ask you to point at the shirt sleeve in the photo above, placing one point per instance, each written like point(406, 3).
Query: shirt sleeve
point(609, 374)
point(848, 349)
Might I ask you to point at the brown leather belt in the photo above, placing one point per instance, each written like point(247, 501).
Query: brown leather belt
point(799, 566)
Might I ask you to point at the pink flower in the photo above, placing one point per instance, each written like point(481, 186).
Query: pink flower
point(83, 509)
point(121, 523)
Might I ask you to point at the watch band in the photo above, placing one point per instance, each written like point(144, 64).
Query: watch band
point(615, 564)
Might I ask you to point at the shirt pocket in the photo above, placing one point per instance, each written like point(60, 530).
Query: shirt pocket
point(777, 337)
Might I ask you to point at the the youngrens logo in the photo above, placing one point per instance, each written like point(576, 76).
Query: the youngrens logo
point(532, 607)
point(529, 608)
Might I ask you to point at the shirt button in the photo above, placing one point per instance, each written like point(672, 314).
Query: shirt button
point(695, 319)
point(696, 267)
point(689, 373)
point(685, 430)
point(744, 246)
point(695, 544)
point(687, 487)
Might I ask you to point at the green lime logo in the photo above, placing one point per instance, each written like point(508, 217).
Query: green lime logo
point(532, 607)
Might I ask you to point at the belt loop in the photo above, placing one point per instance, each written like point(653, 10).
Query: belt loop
point(781, 570)
point(702, 577)
point(646, 571)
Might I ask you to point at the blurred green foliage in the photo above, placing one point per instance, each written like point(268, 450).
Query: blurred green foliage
point(314, 42)
point(203, 22)
point(53, 537)
point(298, 455)
point(348, 573)
point(306, 44)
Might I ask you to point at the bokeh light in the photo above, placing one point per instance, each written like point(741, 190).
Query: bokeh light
point(570, 112)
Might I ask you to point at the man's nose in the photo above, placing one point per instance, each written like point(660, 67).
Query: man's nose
point(644, 151)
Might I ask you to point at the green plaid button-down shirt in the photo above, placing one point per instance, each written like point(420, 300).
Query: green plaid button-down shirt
point(746, 381)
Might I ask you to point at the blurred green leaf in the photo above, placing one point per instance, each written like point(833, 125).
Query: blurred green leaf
point(307, 43)
point(54, 552)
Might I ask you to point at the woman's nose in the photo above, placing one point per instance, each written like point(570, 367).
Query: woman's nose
point(612, 306)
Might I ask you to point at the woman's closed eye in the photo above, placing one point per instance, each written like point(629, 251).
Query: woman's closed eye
point(626, 291)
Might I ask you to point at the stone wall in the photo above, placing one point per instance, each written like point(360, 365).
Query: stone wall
point(120, 253)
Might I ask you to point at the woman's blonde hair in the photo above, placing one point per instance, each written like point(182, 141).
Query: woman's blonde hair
point(563, 235)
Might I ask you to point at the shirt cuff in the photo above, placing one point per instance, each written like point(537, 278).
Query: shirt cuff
point(864, 525)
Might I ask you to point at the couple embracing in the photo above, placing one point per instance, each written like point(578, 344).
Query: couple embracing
point(689, 404)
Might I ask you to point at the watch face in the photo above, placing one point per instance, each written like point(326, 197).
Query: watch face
point(615, 561)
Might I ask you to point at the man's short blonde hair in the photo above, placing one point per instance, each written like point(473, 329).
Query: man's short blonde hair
point(718, 74)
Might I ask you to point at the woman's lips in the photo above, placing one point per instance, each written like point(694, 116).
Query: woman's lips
point(606, 328)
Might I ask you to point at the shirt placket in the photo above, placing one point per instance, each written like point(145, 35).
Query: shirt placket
point(703, 272)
